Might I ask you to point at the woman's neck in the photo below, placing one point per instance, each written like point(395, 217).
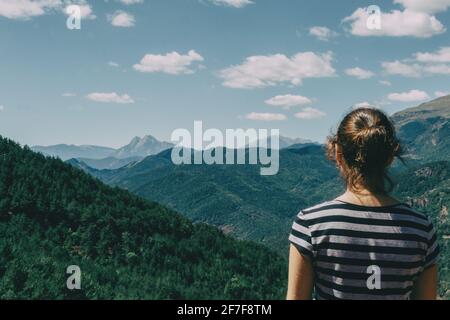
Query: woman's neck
point(366, 198)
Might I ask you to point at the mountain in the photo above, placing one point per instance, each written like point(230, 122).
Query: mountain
point(109, 163)
point(249, 206)
point(285, 142)
point(109, 158)
point(53, 216)
point(235, 198)
point(65, 152)
point(425, 130)
point(141, 147)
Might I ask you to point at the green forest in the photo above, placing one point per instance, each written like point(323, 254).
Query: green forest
point(53, 215)
point(427, 188)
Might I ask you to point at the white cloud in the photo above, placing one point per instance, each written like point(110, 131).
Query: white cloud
point(310, 113)
point(441, 93)
point(437, 69)
point(411, 96)
point(359, 73)
point(396, 24)
point(428, 6)
point(266, 116)
point(85, 8)
point(263, 71)
point(69, 94)
point(385, 83)
point(113, 64)
point(441, 56)
point(121, 19)
point(110, 97)
point(402, 69)
point(322, 33)
point(287, 101)
point(420, 64)
point(128, 2)
point(232, 3)
point(2, 108)
point(364, 104)
point(25, 9)
point(171, 63)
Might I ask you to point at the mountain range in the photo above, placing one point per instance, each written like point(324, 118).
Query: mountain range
point(107, 158)
point(249, 206)
point(61, 215)
point(53, 216)
point(237, 199)
point(99, 157)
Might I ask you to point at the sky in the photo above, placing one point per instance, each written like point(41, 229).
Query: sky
point(140, 67)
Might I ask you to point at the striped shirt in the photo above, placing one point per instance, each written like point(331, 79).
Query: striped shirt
point(363, 253)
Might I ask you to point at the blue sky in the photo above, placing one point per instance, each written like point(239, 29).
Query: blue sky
point(153, 66)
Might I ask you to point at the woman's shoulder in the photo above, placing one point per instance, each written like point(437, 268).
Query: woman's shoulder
point(319, 207)
point(336, 206)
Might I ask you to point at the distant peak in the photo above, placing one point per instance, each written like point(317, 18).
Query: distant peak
point(149, 137)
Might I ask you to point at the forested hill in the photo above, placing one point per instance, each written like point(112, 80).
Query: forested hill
point(425, 130)
point(235, 198)
point(53, 215)
point(427, 188)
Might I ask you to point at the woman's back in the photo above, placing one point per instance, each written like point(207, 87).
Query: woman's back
point(364, 244)
point(361, 252)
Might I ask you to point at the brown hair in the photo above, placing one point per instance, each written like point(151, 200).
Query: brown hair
point(367, 144)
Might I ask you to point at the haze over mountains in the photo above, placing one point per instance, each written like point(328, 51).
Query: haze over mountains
point(99, 157)
point(65, 151)
point(104, 157)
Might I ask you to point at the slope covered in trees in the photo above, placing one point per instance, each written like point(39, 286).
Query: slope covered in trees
point(425, 130)
point(235, 198)
point(427, 188)
point(53, 215)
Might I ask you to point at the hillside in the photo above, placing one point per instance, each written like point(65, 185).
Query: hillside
point(425, 130)
point(427, 188)
point(109, 163)
point(235, 198)
point(249, 206)
point(53, 215)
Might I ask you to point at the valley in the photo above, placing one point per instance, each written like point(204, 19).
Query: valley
point(248, 206)
point(53, 215)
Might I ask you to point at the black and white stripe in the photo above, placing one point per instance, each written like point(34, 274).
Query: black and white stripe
point(344, 239)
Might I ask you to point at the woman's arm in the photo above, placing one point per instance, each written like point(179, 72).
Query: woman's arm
point(301, 276)
point(425, 287)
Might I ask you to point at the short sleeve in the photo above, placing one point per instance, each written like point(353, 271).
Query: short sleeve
point(300, 235)
point(433, 247)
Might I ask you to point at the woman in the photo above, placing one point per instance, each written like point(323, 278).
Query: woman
point(364, 244)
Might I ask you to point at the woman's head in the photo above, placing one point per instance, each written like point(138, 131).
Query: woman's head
point(363, 148)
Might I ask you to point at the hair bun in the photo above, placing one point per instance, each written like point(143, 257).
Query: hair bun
point(367, 142)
